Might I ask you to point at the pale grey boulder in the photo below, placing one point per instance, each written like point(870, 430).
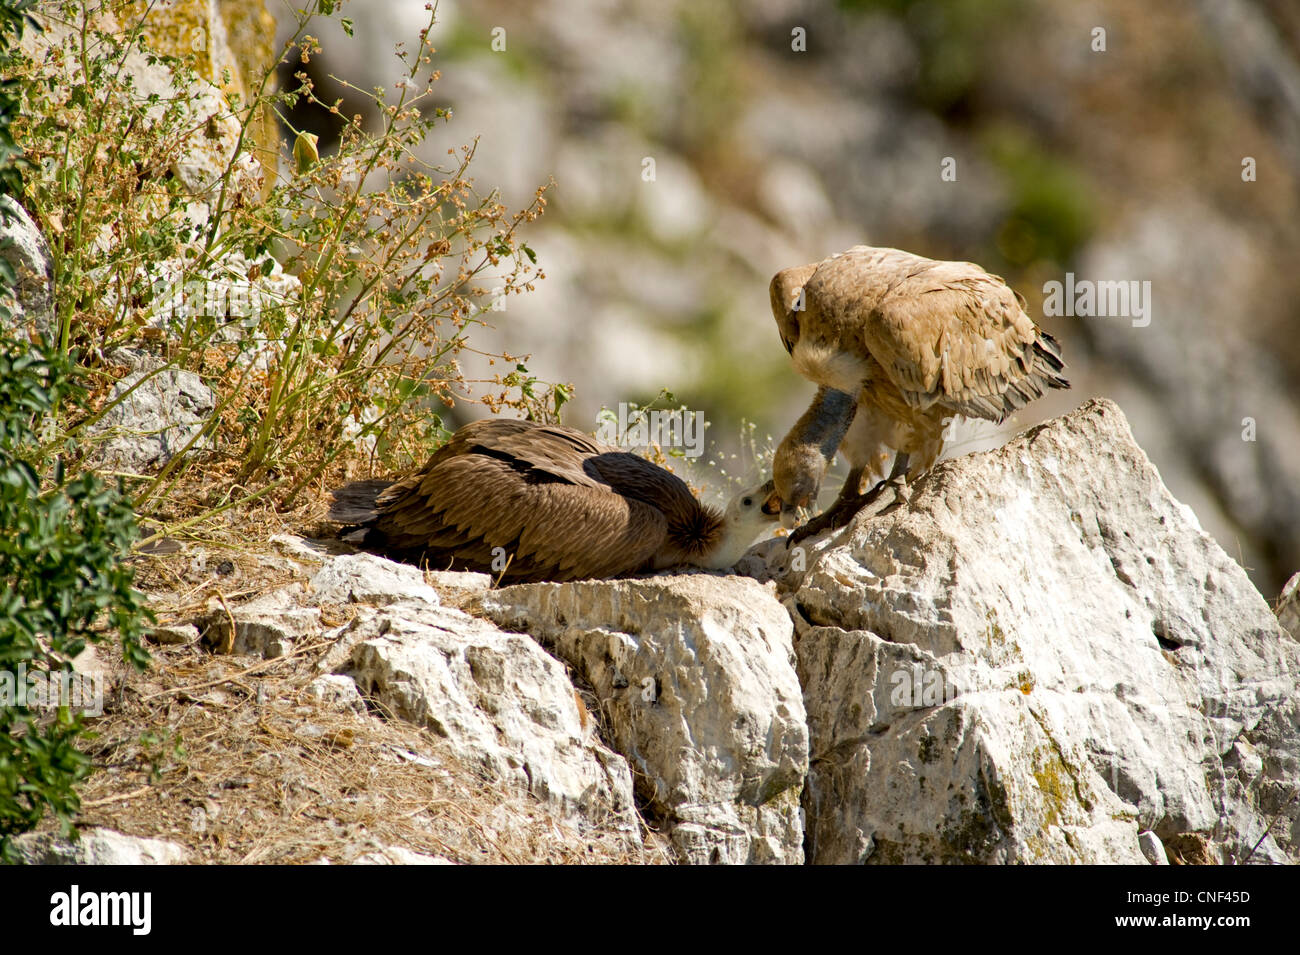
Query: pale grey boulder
point(152, 414)
point(173, 634)
point(1105, 654)
point(97, 847)
point(366, 578)
point(268, 626)
point(23, 246)
point(984, 778)
point(504, 705)
point(1288, 607)
point(1152, 848)
point(458, 588)
point(697, 689)
point(336, 691)
point(1265, 763)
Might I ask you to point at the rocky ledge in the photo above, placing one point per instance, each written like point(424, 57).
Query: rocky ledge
point(1037, 657)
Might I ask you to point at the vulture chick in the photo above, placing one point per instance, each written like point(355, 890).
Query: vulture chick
point(552, 502)
point(898, 343)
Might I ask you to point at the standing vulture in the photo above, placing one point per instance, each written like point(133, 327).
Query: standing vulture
point(524, 501)
point(897, 343)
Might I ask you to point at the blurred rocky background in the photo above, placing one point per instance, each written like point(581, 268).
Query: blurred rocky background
point(784, 131)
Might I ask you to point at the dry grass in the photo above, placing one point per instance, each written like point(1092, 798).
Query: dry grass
point(232, 757)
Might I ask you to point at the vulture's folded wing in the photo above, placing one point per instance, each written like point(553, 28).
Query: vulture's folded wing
point(356, 502)
point(951, 334)
point(551, 452)
point(469, 505)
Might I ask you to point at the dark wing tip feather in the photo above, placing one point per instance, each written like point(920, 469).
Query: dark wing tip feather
point(1048, 363)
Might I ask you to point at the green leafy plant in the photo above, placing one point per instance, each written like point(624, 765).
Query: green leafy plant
point(15, 18)
point(324, 300)
point(63, 582)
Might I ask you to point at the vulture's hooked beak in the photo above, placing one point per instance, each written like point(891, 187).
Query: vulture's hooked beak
point(790, 515)
point(793, 516)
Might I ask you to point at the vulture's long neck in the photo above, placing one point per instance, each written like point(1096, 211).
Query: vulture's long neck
point(731, 543)
point(826, 421)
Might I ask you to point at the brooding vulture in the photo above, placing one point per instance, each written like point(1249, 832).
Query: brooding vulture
point(897, 343)
point(552, 502)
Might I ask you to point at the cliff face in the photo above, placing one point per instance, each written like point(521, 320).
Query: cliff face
point(1036, 658)
point(1039, 657)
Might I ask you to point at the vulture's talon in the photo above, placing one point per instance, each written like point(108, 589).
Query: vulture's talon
point(836, 516)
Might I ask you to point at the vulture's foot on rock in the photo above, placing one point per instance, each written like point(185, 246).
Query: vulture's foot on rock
point(902, 491)
point(838, 514)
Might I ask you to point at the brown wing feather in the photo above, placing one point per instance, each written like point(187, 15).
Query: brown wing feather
point(465, 507)
point(531, 490)
point(945, 333)
point(545, 449)
point(692, 530)
point(355, 503)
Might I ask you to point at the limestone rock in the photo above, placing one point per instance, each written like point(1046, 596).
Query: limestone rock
point(1288, 607)
point(980, 779)
point(365, 578)
point(97, 847)
point(457, 588)
point(696, 682)
point(174, 634)
point(338, 691)
point(154, 412)
point(1152, 848)
point(503, 703)
point(266, 627)
point(1036, 658)
point(24, 247)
